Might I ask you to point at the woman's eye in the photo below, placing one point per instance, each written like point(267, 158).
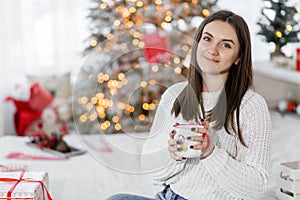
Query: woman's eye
point(205, 38)
point(227, 45)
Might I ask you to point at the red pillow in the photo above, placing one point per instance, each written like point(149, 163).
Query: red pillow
point(29, 111)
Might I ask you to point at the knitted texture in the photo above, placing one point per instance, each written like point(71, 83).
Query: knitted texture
point(232, 171)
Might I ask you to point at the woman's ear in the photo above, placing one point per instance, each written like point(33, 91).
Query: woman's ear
point(236, 62)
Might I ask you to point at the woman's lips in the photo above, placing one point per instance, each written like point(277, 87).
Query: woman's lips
point(211, 60)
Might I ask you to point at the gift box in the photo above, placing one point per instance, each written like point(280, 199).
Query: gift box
point(24, 185)
point(289, 181)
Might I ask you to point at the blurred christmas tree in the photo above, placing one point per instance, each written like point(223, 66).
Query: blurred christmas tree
point(135, 51)
point(279, 24)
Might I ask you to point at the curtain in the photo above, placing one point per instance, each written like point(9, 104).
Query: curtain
point(38, 37)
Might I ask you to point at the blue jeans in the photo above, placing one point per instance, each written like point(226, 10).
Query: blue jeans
point(166, 194)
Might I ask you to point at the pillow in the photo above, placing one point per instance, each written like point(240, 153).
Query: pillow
point(57, 85)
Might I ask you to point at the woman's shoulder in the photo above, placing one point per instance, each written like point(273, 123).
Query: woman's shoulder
point(253, 99)
point(175, 89)
point(172, 92)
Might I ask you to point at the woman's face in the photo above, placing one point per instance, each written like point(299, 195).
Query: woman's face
point(218, 47)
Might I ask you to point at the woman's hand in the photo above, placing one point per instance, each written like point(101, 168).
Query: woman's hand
point(204, 142)
point(204, 139)
point(174, 146)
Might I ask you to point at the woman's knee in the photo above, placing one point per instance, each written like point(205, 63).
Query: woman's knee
point(127, 197)
point(115, 197)
point(121, 197)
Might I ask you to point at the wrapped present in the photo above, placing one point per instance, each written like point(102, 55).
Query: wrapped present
point(289, 181)
point(24, 185)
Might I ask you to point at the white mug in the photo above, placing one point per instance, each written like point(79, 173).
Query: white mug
point(182, 132)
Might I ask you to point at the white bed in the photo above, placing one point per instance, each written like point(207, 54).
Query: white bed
point(99, 172)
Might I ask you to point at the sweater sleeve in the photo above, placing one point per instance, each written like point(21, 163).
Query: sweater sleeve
point(247, 178)
point(156, 159)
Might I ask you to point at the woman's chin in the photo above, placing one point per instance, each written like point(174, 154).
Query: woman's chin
point(211, 72)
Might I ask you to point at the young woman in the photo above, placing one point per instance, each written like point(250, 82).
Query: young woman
point(217, 95)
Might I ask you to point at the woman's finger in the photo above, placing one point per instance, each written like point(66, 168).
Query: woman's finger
point(171, 142)
point(177, 158)
point(172, 134)
point(196, 138)
point(204, 123)
point(198, 146)
point(174, 156)
point(199, 130)
point(174, 146)
point(203, 144)
point(173, 149)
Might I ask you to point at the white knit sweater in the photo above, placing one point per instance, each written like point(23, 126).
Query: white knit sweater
point(232, 171)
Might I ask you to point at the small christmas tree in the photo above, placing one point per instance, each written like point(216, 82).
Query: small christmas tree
point(279, 24)
point(135, 51)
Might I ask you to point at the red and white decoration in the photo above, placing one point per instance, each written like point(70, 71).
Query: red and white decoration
point(24, 185)
point(298, 59)
point(40, 108)
point(156, 48)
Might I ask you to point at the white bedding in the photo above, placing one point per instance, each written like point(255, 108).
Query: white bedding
point(100, 173)
point(285, 146)
point(85, 177)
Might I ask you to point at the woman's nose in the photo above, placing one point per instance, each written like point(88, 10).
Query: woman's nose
point(212, 50)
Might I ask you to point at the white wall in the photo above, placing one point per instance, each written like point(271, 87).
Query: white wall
point(31, 46)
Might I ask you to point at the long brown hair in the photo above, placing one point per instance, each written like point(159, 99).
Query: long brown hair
point(189, 102)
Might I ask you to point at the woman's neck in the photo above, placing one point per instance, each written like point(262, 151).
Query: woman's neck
point(213, 82)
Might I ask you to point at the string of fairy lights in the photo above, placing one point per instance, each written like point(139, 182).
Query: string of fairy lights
point(98, 106)
point(288, 28)
point(101, 103)
point(132, 14)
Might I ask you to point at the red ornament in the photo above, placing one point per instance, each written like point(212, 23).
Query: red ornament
point(40, 145)
point(156, 48)
point(53, 139)
point(291, 106)
point(40, 125)
point(298, 59)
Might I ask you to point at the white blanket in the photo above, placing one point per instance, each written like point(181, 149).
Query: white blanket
point(83, 177)
point(112, 163)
